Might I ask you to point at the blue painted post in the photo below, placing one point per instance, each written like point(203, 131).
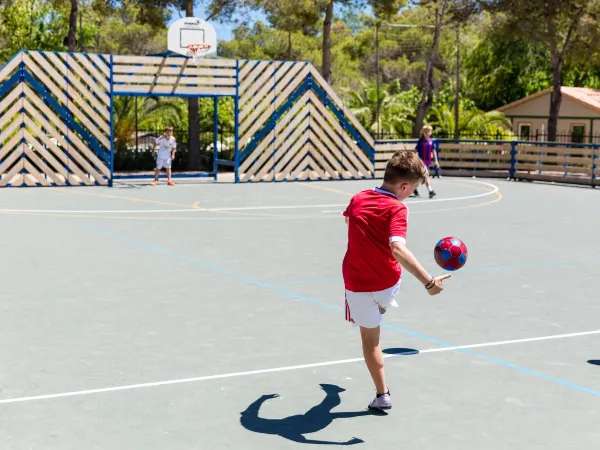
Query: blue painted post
point(436, 148)
point(594, 164)
point(215, 137)
point(513, 160)
point(112, 130)
point(237, 121)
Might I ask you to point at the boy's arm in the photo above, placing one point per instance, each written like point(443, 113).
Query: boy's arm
point(173, 148)
point(407, 260)
point(398, 228)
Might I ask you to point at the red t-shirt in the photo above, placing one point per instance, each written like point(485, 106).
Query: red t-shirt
point(376, 218)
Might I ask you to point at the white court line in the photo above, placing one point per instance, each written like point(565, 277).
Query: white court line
point(278, 369)
point(494, 190)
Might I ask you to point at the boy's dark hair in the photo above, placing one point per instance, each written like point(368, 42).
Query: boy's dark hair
point(405, 165)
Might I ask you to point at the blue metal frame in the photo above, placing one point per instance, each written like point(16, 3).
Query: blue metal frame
point(236, 155)
point(112, 128)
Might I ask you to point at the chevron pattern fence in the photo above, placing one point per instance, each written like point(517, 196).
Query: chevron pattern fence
point(292, 126)
point(55, 120)
point(56, 124)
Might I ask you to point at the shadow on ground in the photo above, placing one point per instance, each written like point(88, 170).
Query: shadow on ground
point(400, 351)
point(595, 362)
point(295, 427)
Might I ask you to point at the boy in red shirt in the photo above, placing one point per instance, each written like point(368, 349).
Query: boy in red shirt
point(377, 223)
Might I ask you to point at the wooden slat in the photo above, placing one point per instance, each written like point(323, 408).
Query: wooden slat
point(554, 168)
point(472, 156)
point(12, 115)
point(79, 145)
point(348, 155)
point(11, 145)
point(75, 69)
point(353, 151)
point(555, 159)
point(99, 62)
point(95, 73)
point(14, 126)
point(42, 165)
point(75, 156)
point(8, 177)
point(58, 93)
point(251, 78)
point(140, 89)
point(70, 161)
point(290, 132)
point(34, 173)
point(484, 147)
point(75, 90)
point(9, 68)
point(143, 79)
point(251, 126)
point(285, 141)
point(157, 60)
point(188, 71)
point(11, 97)
point(475, 165)
point(554, 150)
point(394, 147)
point(324, 85)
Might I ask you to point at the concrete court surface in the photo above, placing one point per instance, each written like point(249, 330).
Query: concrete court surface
point(210, 316)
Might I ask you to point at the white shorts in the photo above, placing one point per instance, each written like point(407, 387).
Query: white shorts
point(362, 308)
point(163, 162)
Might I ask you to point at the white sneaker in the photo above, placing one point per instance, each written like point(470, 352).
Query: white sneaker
point(381, 401)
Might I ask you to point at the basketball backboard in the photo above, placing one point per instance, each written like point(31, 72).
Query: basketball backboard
point(189, 31)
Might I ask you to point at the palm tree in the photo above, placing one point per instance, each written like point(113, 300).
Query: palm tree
point(472, 122)
point(152, 112)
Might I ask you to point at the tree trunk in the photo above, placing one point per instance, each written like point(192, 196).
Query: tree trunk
point(556, 94)
point(72, 34)
point(327, 41)
point(558, 57)
point(427, 98)
point(193, 161)
point(289, 46)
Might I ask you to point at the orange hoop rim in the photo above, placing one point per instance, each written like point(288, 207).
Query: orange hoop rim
point(196, 47)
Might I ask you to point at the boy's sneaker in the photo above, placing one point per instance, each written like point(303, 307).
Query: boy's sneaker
point(416, 192)
point(170, 183)
point(432, 194)
point(381, 402)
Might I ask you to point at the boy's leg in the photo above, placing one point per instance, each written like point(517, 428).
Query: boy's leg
point(374, 357)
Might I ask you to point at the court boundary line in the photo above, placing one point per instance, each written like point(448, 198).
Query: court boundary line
point(298, 367)
point(335, 308)
point(195, 208)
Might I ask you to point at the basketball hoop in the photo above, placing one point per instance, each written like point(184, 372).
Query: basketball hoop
point(197, 52)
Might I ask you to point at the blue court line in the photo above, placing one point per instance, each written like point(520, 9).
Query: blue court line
point(336, 308)
point(475, 269)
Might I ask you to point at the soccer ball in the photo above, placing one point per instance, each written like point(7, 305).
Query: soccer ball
point(450, 253)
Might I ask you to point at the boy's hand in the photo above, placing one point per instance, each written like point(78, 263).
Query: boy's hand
point(438, 285)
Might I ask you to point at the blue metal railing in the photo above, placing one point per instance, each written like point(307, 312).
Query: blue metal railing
point(513, 171)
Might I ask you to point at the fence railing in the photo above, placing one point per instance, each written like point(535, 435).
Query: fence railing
point(515, 160)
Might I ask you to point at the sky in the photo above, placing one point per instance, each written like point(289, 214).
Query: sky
point(224, 31)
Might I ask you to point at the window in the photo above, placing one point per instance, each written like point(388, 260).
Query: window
point(525, 131)
point(577, 133)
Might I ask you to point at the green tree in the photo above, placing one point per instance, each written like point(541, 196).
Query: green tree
point(554, 23)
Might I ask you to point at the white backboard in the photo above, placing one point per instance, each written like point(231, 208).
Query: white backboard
point(191, 30)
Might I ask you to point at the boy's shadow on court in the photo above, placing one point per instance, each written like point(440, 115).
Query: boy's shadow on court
point(315, 419)
point(594, 362)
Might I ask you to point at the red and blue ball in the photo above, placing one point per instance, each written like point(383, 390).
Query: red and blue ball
point(450, 253)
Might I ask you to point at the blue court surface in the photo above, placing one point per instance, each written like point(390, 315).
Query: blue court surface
point(211, 316)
